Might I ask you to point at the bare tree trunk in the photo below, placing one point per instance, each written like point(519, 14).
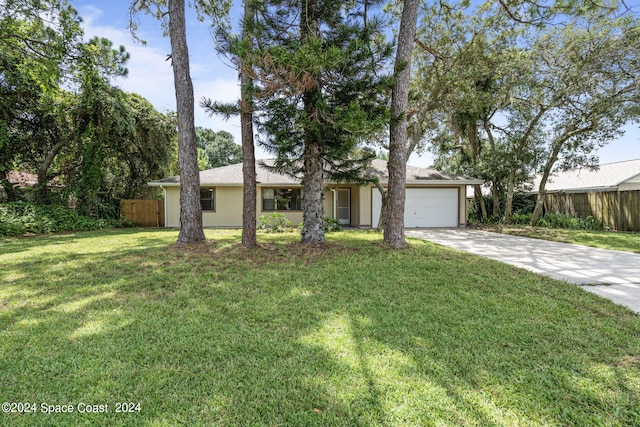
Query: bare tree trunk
point(495, 211)
point(383, 209)
point(508, 207)
point(537, 210)
point(10, 191)
point(522, 143)
point(557, 145)
point(542, 188)
point(190, 208)
point(43, 172)
point(248, 150)
point(494, 187)
point(477, 194)
point(397, 165)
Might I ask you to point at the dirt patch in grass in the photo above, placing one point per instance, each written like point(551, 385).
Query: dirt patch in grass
point(264, 253)
point(629, 361)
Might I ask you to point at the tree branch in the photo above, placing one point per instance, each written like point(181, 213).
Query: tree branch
point(429, 49)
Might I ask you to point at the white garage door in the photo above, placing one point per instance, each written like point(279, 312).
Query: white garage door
point(425, 207)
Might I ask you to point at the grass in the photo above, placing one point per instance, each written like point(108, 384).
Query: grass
point(349, 334)
point(620, 241)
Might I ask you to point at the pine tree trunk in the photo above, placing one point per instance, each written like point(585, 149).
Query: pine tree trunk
point(312, 231)
point(313, 210)
point(190, 208)
point(248, 175)
point(397, 165)
point(248, 151)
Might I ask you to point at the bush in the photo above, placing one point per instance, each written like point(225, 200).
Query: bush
point(18, 218)
point(274, 223)
point(330, 224)
point(278, 223)
point(521, 219)
point(522, 205)
point(570, 222)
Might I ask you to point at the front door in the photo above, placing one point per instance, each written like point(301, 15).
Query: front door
point(343, 206)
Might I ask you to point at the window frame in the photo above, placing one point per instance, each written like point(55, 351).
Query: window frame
point(212, 199)
point(289, 200)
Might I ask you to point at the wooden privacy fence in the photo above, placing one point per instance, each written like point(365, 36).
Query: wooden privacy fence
point(143, 213)
point(618, 210)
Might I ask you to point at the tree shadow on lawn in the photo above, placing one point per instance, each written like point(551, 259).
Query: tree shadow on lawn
point(221, 335)
point(17, 244)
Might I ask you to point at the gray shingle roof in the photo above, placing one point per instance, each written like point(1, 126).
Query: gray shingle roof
point(421, 175)
point(232, 175)
point(607, 176)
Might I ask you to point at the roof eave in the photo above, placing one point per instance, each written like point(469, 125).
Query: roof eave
point(579, 190)
point(163, 184)
point(445, 182)
point(628, 179)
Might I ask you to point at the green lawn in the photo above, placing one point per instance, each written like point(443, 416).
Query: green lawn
point(620, 241)
point(350, 334)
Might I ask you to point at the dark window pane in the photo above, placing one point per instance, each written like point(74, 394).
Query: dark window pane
point(281, 199)
point(268, 205)
point(207, 199)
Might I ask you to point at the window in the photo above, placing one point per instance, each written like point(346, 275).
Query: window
point(207, 199)
point(281, 199)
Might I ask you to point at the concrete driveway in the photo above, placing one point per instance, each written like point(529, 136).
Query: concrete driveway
point(611, 274)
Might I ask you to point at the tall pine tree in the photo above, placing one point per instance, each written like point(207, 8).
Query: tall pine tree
point(324, 90)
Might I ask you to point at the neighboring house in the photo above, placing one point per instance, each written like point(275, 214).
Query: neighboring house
point(434, 199)
point(21, 180)
point(610, 193)
point(619, 176)
point(26, 183)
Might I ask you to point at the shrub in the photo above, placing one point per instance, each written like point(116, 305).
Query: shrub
point(521, 219)
point(330, 224)
point(274, 223)
point(523, 203)
point(566, 221)
point(18, 218)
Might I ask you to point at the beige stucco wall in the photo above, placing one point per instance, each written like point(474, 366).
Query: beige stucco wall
point(228, 203)
point(172, 206)
point(462, 205)
point(327, 203)
point(364, 219)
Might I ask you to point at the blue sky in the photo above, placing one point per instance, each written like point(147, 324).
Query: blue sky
point(150, 74)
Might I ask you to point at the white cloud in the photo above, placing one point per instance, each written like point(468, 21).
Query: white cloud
point(221, 90)
point(150, 74)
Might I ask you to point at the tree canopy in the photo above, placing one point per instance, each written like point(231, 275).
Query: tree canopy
point(60, 116)
point(217, 148)
point(502, 99)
